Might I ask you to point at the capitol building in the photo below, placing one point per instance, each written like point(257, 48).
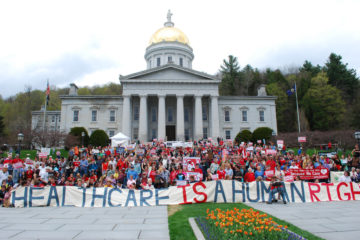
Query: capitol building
point(169, 100)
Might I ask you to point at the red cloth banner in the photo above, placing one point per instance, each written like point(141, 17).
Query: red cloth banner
point(307, 174)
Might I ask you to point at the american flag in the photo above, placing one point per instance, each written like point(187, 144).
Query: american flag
point(47, 93)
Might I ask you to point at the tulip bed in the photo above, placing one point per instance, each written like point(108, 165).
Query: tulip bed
point(242, 224)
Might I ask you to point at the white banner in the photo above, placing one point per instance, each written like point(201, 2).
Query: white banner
point(214, 191)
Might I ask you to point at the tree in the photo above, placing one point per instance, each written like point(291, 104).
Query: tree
point(99, 138)
point(341, 77)
point(2, 126)
point(323, 104)
point(309, 68)
point(262, 133)
point(230, 71)
point(243, 136)
point(76, 131)
point(284, 112)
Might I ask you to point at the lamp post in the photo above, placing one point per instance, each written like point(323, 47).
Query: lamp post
point(82, 138)
point(357, 136)
point(20, 139)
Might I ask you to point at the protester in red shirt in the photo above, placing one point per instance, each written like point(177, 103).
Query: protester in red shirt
point(249, 176)
point(221, 172)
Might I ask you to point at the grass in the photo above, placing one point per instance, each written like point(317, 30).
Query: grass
point(179, 219)
point(32, 153)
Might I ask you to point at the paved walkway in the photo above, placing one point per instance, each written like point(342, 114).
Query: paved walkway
point(84, 223)
point(329, 220)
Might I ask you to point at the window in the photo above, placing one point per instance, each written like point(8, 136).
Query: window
point(170, 115)
point(228, 134)
point(169, 59)
point(59, 118)
point(112, 115)
point(181, 62)
point(76, 116)
point(186, 115)
point(53, 119)
point(136, 113)
point(244, 116)
point(136, 131)
point(262, 116)
point(153, 114)
point(158, 62)
point(205, 133)
point(187, 134)
point(150, 63)
point(227, 115)
point(93, 115)
point(204, 113)
point(153, 133)
point(111, 133)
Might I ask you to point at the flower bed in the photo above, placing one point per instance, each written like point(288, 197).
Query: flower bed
point(242, 224)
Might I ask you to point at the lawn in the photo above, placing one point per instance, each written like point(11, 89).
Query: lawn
point(179, 219)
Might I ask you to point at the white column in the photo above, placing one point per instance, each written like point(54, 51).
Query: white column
point(126, 116)
point(161, 118)
point(180, 132)
point(198, 118)
point(143, 129)
point(214, 117)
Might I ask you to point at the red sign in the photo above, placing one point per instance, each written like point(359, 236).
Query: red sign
point(42, 155)
point(269, 173)
point(289, 178)
point(307, 174)
point(301, 139)
point(76, 163)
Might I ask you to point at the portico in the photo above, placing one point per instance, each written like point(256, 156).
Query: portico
point(170, 116)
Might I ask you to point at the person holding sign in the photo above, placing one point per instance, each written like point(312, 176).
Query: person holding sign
point(276, 187)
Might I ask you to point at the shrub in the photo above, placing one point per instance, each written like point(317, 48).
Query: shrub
point(99, 138)
point(243, 136)
point(262, 133)
point(76, 131)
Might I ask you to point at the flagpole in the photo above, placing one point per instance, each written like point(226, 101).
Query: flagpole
point(44, 114)
point(297, 108)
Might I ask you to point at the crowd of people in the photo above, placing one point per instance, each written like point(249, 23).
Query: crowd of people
point(158, 165)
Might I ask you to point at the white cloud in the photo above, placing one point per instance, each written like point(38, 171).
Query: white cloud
point(92, 42)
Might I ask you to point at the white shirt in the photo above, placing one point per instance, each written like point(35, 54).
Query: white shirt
point(3, 176)
point(343, 178)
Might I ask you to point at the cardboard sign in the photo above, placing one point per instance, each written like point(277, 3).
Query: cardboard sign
point(76, 163)
point(280, 143)
point(270, 152)
point(289, 178)
point(269, 173)
point(190, 162)
point(18, 165)
point(42, 155)
point(301, 139)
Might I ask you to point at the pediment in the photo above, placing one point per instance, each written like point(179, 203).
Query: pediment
point(168, 73)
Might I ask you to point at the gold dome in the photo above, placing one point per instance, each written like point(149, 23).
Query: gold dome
point(169, 34)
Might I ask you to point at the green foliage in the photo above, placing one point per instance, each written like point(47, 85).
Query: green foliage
point(243, 136)
point(2, 126)
point(323, 104)
point(76, 131)
point(99, 138)
point(262, 133)
point(341, 77)
point(230, 76)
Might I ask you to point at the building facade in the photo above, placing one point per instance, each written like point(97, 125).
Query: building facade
point(169, 100)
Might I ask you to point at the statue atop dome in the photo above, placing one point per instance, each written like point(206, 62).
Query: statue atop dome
point(169, 23)
point(169, 14)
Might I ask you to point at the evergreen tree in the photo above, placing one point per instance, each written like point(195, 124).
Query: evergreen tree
point(341, 77)
point(230, 82)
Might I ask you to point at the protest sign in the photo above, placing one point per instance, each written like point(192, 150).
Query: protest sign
point(307, 174)
point(181, 182)
point(289, 178)
point(301, 139)
point(17, 165)
point(42, 155)
point(270, 152)
point(76, 163)
point(197, 176)
point(280, 143)
point(200, 192)
point(190, 162)
point(269, 173)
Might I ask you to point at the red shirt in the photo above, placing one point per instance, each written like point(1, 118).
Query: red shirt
point(249, 177)
point(221, 174)
point(271, 163)
point(29, 174)
point(152, 175)
point(105, 166)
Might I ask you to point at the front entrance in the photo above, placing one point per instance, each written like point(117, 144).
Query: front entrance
point(170, 133)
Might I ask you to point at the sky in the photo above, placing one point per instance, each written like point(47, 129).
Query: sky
point(93, 42)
